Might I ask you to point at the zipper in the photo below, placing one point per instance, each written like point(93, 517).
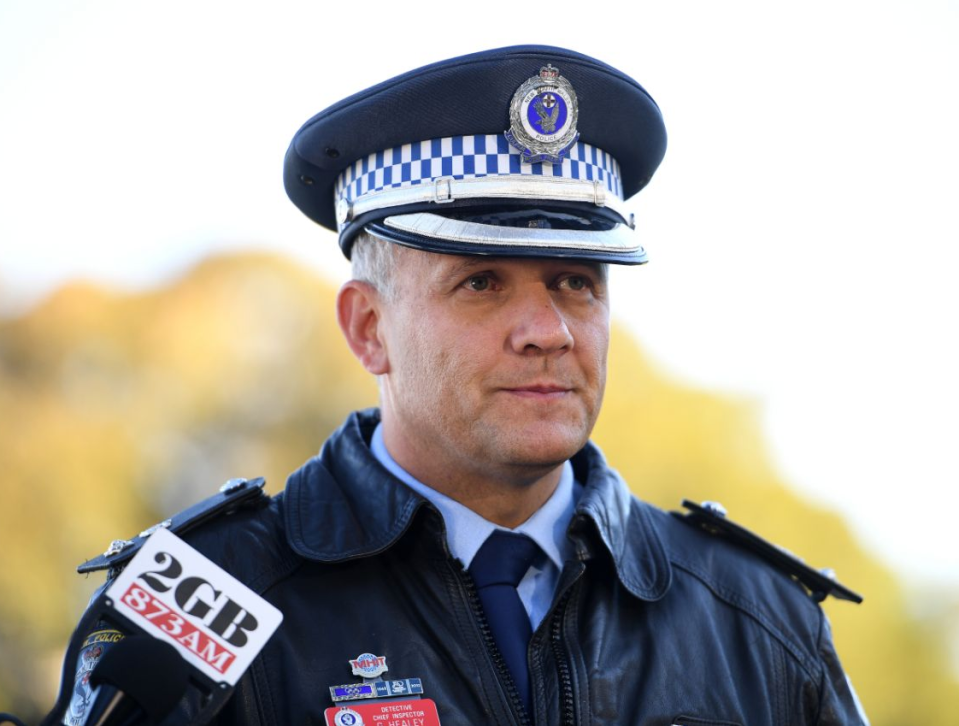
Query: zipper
point(568, 705)
point(568, 585)
point(506, 679)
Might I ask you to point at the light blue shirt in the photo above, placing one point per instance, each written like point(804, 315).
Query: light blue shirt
point(466, 531)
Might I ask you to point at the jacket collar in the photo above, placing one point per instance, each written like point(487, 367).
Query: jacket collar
point(624, 524)
point(343, 505)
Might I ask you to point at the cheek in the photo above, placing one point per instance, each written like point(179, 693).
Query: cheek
point(593, 342)
point(458, 359)
point(432, 363)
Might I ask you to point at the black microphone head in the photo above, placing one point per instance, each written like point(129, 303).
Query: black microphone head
point(147, 670)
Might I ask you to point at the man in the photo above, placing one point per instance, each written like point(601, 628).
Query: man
point(466, 537)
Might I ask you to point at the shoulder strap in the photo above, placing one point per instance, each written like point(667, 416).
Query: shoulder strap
point(235, 494)
point(711, 518)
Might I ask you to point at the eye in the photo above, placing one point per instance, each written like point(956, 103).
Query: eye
point(575, 283)
point(478, 283)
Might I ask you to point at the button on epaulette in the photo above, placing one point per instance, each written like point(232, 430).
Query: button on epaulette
point(233, 495)
point(711, 518)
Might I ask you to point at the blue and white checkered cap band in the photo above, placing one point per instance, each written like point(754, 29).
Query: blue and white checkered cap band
point(469, 157)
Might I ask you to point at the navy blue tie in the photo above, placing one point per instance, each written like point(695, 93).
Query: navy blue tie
point(497, 569)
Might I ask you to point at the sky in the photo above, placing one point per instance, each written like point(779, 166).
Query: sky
point(802, 230)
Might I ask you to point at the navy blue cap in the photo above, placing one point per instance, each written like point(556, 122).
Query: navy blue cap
point(520, 151)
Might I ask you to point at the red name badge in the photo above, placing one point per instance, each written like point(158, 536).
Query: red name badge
point(417, 712)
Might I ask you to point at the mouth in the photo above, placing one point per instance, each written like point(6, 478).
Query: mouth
point(542, 392)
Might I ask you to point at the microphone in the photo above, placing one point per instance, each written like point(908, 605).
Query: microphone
point(193, 629)
point(140, 680)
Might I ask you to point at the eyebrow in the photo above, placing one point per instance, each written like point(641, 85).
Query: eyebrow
point(470, 263)
point(467, 264)
point(464, 265)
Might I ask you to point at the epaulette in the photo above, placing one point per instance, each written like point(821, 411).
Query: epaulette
point(711, 517)
point(235, 494)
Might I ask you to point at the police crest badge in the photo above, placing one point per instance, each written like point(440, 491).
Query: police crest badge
point(85, 693)
point(543, 116)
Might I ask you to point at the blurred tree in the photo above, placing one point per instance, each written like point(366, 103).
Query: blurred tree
point(120, 409)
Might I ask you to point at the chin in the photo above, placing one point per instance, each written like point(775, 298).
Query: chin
point(548, 448)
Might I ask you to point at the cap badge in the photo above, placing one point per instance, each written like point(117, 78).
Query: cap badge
point(543, 116)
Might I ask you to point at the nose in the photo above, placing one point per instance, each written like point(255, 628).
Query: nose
point(540, 325)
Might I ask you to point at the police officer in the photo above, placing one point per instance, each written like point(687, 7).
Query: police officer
point(465, 548)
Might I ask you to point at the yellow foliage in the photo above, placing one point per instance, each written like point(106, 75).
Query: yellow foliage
point(120, 409)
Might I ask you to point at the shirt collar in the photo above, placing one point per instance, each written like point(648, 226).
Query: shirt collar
point(466, 531)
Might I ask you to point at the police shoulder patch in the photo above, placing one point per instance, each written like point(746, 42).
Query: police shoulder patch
point(711, 518)
point(235, 494)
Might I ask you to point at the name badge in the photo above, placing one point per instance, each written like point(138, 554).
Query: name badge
point(417, 712)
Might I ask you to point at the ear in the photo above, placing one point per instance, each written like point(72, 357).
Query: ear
point(358, 312)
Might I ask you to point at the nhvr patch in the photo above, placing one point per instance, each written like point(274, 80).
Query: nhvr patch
point(368, 665)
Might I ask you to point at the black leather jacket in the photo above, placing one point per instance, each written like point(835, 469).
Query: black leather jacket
point(654, 622)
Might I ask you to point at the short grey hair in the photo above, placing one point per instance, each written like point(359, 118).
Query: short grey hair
point(373, 261)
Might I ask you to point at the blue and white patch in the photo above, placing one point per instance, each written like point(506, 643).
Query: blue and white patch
point(469, 157)
point(377, 689)
point(402, 687)
point(352, 692)
point(543, 116)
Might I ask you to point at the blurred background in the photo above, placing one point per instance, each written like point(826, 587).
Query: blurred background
point(166, 314)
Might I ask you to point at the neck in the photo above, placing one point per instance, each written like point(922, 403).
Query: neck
point(502, 494)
